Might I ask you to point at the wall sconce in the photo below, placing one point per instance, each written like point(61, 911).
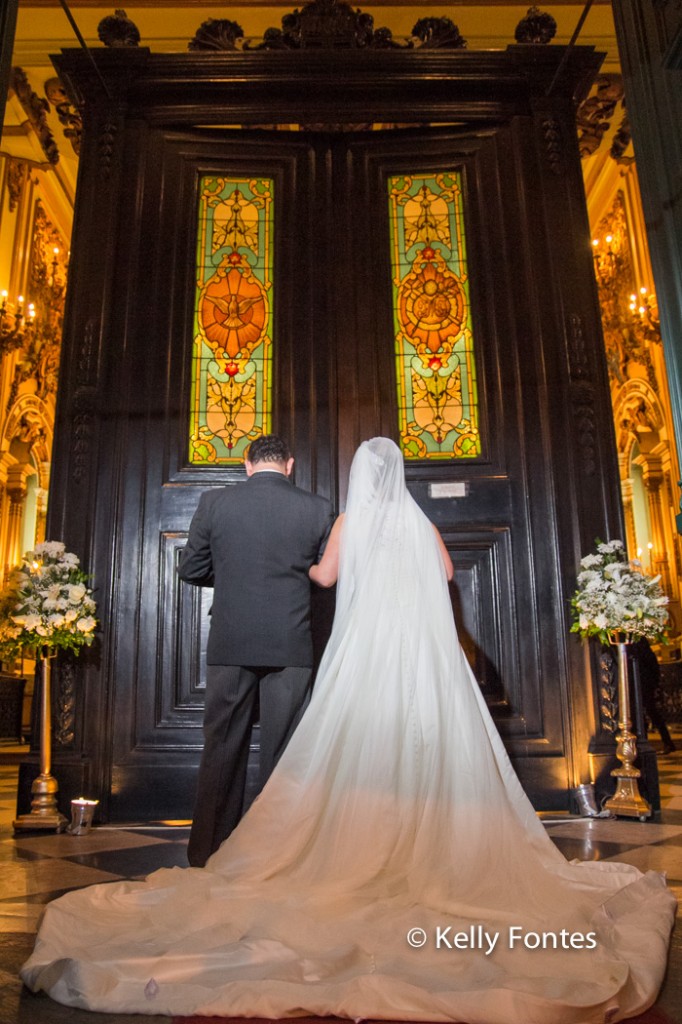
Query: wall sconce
point(16, 328)
point(644, 309)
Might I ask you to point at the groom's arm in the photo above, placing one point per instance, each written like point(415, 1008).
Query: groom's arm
point(196, 561)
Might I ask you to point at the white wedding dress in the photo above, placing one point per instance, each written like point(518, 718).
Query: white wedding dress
point(394, 808)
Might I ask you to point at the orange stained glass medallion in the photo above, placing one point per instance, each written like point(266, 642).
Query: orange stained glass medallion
point(436, 371)
point(232, 364)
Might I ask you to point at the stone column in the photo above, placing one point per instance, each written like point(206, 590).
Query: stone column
point(16, 492)
point(628, 510)
point(652, 473)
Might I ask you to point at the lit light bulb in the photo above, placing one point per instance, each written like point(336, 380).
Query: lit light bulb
point(642, 291)
point(609, 239)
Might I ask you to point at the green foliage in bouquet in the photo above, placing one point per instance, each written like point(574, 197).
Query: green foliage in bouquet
point(47, 604)
point(615, 597)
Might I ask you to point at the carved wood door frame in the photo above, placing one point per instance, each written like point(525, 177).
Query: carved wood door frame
point(548, 484)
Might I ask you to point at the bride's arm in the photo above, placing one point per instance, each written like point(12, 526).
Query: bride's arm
point(326, 572)
point(445, 555)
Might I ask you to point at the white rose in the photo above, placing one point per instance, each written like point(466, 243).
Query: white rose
point(76, 592)
point(70, 614)
point(56, 620)
point(86, 624)
point(32, 622)
point(50, 549)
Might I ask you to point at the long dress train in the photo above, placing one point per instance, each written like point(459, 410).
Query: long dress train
point(392, 868)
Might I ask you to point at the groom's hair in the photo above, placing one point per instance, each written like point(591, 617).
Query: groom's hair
point(268, 448)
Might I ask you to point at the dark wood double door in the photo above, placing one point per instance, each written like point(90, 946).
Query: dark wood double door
point(545, 483)
point(334, 385)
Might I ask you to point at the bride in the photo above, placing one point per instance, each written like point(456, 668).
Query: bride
point(392, 867)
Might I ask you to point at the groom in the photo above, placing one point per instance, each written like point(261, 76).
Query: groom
point(254, 543)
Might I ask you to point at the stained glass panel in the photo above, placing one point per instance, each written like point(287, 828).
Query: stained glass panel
point(232, 364)
point(436, 371)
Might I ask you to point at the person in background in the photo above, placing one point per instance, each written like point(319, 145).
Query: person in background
point(650, 682)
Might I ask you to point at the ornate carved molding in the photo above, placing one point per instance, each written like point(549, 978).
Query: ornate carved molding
point(327, 25)
point(36, 110)
point(621, 142)
point(65, 718)
point(585, 427)
point(68, 115)
point(118, 30)
point(434, 33)
point(595, 116)
point(554, 145)
point(638, 416)
point(106, 145)
point(578, 364)
point(537, 27)
point(218, 34)
point(17, 174)
point(84, 402)
point(83, 429)
point(85, 363)
point(608, 691)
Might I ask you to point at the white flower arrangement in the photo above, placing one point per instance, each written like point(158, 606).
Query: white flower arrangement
point(616, 598)
point(47, 603)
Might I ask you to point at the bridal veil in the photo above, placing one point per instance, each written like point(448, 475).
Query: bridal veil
point(392, 867)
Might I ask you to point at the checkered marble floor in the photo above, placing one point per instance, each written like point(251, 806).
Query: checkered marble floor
point(35, 869)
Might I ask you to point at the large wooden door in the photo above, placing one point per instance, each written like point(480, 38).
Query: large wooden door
point(545, 478)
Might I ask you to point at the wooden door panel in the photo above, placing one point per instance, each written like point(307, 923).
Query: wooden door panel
point(505, 523)
point(343, 277)
point(159, 645)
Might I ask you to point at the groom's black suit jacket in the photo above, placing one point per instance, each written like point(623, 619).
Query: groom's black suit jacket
point(254, 543)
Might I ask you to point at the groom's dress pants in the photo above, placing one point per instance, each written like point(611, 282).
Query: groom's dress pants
point(233, 696)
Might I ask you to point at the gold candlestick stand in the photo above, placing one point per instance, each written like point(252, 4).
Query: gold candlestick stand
point(627, 800)
point(44, 811)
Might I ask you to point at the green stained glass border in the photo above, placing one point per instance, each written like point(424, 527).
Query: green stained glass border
point(231, 383)
point(434, 344)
